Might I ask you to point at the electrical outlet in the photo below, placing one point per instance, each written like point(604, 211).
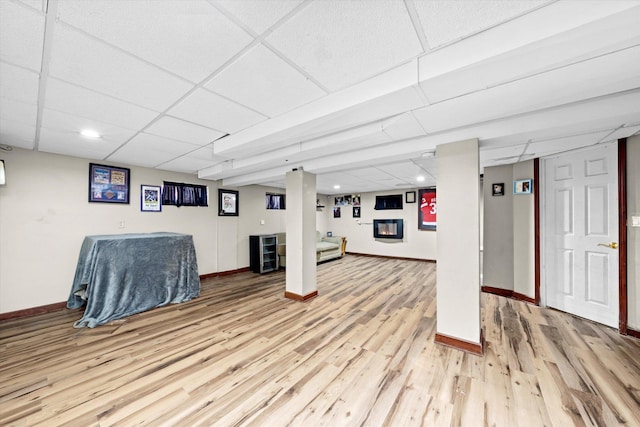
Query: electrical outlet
point(635, 221)
point(262, 222)
point(121, 224)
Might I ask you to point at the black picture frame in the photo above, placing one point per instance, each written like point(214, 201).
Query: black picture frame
point(410, 197)
point(336, 212)
point(228, 203)
point(356, 211)
point(497, 189)
point(150, 198)
point(109, 184)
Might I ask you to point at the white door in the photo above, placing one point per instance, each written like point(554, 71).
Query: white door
point(580, 233)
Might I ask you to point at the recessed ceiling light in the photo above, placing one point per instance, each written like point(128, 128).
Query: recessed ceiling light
point(336, 187)
point(420, 178)
point(89, 133)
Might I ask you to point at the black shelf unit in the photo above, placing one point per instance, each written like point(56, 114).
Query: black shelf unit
point(263, 256)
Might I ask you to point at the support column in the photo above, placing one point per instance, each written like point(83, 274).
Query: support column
point(301, 277)
point(458, 269)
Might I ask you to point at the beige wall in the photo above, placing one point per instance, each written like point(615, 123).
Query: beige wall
point(418, 244)
point(45, 215)
point(633, 233)
point(508, 254)
point(497, 258)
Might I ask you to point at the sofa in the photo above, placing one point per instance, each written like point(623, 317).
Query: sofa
point(326, 248)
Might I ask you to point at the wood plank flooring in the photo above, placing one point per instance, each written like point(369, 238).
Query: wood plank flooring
point(361, 353)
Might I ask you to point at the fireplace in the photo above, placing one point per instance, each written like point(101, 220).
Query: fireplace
point(388, 229)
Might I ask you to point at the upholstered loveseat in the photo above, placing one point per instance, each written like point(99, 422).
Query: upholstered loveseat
point(326, 248)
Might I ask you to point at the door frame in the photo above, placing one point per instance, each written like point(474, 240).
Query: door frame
point(622, 234)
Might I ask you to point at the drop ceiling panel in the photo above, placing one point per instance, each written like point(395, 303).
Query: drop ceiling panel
point(70, 125)
point(36, 4)
point(213, 111)
point(188, 38)
point(614, 33)
point(21, 112)
point(82, 102)
point(21, 35)
point(72, 144)
point(622, 133)
point(614, 73)
point(402, 127)
point(445, 21)
point(558, 145)
point(170, 127)
point(185, 164)
point(17, 134)
point(260, 15)
point(342, 42)
point(502, 155)
point(264, 82)
point(18, 84)
point(150, 150)
point(406, 171)
point(82, 60)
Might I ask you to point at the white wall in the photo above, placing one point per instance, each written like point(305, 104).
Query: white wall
point(419, 244)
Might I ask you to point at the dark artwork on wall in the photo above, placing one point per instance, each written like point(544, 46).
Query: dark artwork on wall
point(336, 212)
point(356, 211)
point(497, 189)
point(108, 184)
point(180, 194)
point(228, 203)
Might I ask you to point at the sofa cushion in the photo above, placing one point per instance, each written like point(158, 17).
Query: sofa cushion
point(326, 246)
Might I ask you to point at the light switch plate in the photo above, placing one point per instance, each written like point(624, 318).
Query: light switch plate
point(635, 221)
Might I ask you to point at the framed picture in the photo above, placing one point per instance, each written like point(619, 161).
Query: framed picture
point(108, 184)
point(150, 198)
point(355, 199)
point(410, 197)
point(336, 212)
point(227, 202)
point(356, 211)
point(427, 213)
point(522, 186)
point(497, 189)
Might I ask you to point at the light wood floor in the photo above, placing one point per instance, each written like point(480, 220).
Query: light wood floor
point(361, 353)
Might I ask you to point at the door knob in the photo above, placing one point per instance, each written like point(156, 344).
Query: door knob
point(612, 245)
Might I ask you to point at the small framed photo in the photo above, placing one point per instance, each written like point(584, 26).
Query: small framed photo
point(356, 211)
point(228, 202)
point(522, 186)
point(108, 184)
point(150, 200)
point(410, 197)
point(336, 212)
point(497, 189)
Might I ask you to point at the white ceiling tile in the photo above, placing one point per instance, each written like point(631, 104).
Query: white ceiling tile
point(21, 112)
point(17, 134)
point(624, 132)
point(206, 154)
point(150, 150)
point(259, 15)
point(21, 35)
point(402, 127)
point(81, 102)
point(72, 144)
point(36, 4)
point(18, 84)
point(86, 62)
point(444, 21)
point(342, 42)
point(263, 81)
point(558, 145)
point(180, 130)
point(71, 125)
point(185, 164)
point(213, 111)
point(189, 38)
